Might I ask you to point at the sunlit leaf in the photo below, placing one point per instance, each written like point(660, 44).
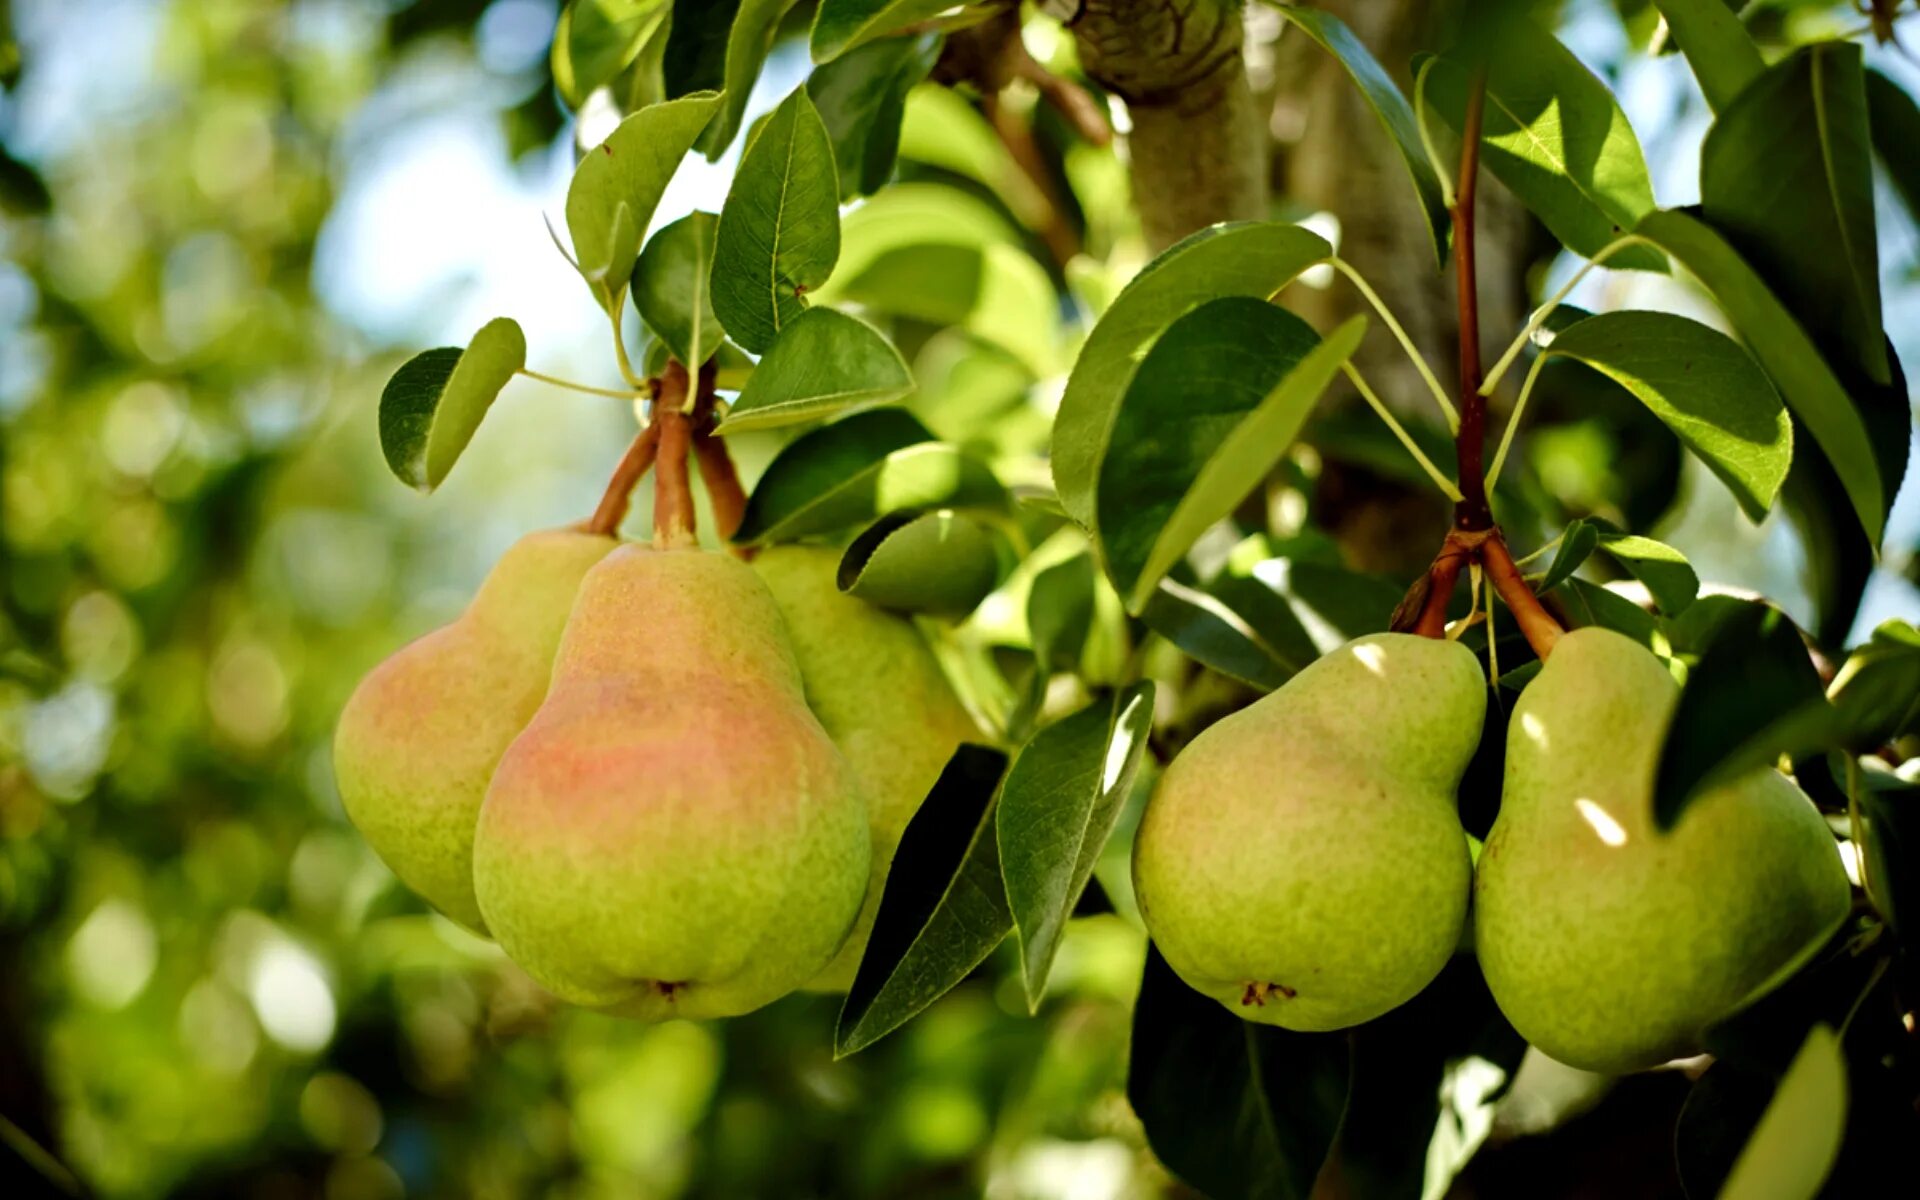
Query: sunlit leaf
point(618, 184)
point(1724, 59)
point(596, 39)
point(749, 38)
point(862, 99)
point(942, 563)
point(1666, 572)
point(436, 400)
point(822, 363)
point(1798, 1138)
point(841, 25)
point(671, 282)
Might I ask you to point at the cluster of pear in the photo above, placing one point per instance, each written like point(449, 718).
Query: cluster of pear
point(669, 784)
point(1303, 863)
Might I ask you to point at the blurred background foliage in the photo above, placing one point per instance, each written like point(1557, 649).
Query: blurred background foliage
point(224, 222)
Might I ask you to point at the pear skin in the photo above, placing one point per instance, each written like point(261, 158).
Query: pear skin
point(674, 834)
point(1302, 861)
point(875, 685)
point(419, 739)
point(1610, 945)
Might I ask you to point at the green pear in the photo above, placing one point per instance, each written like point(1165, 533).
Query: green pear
point(419, 738)
point(1302, 861)
point(674, 834)
point(1609, 944)
point(875, 685)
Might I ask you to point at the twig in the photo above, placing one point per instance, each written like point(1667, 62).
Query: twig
point(1472, 512)
point(1536, 623)
point(717, 471)
point(673, 516)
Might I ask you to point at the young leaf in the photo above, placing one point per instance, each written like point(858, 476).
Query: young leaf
point(943, 909)
point(1233, 1108)
point(435, 401)
point(780, 229)
point(1817, 399)
point(1577, 543)
point(1786, 173)
point(749, 38)
point(1058, 804)
point(1253, 260)
point(596, 39)
point(940, 563)
point(1555, 136)
point(1798, 1138)
point(671, 281)
point(841, 25)
point(1396, 115)
point(822, 363)
point(833, 486)
point(618, 184)
point(1665, 571)
point(1724, 59)
point(862, 97)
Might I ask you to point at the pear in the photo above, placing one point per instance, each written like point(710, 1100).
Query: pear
point(419, 738)
point(1608, 944)
point(1302, 861)
point(875, 685)
point(674, 834)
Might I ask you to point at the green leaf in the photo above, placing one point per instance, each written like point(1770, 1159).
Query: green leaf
point(1753, 671)
point(749, 38)
point(940, 563)
point(1724, 59)
point(1788, 354)
point(618, 184)
point(1248, 259)
point(822, 363)
point(1894, 121)
point(862, 99)
point(1665, 571)
point(998, 293)
point(1890, 839)
point(1216, 402)
point(1701, 385)
point(1235, 1109)
point(943, 909)
point(1396, 115)
point(1877, 690)
point(1060, 614)
point(819, 462)
point(821, 486)
point(1555, 136)
point(841, 25)
point(942, 128)
point(1798, 1138)
point(1334, 604)
point(780, 228)
point(596, 39)
point(435, 401)
point(694, 58)
point(1577, 543)
point(1591, 604)
point(1232, 634)
point(1057, 807)
point(671, 282)
point(1786, 173)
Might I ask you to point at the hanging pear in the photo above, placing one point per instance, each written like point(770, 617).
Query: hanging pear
point(1609, 944)
point(674, 834)
point(1302, 861)
point(873, 681)
point(419, 739)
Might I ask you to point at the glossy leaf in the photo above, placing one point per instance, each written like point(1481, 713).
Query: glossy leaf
point(1235, 1109)
point(817, 463)
point(1724, 59)
point(1254, 260)
point(780, 228)
point(1396, 115)
point(1798, 1138)
point(1228, 637)
point(749, 38)
point(1786, 174)
point(941, 563)
point(1555, 136)
point(841, 25)
point(1666, 572)
point(933, 475)
point(671, 282)
point(822, 363)
point(618, 184)
point(862, 99)
point(1058, 805)
point(1060, 614)
point(1591, 604)
point(1577, 543)
point(943, 909)
point(1894, 121)
point(596, 39)
point(435, 401)
point(1819, 403)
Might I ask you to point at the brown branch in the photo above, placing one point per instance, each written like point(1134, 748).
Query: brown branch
point(1473, 512)
point(715, 461)
point(612, 509)
point(1536, 623)
point(673, 516)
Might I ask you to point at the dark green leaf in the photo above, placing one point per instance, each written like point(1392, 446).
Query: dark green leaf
point(1666, 572)
point(840, 483)
point(1555, 136)
point(618, 184)
point(862, 97)
point(780, 228)
point(940, 563)
point(1396, 116)
point(695, 57)
point(1237, 1110)
point(1252, 260)
point(822, 363)
point(1060, 614)
point(749, 38)
point(1216, 634)
point(816, 463)
point(671, 288)
point(1894, 120)
point(1590, 604)
point(1890, 836)
point(841, 25)
point(1576, 544)
point(1786, 173)
point(943, 909)
point(1057, 806)
point(1817, 399)
point(1340, 604)
point(1724, 59)
point(435, 401)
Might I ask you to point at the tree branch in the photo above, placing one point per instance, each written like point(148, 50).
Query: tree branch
point(1473, 512)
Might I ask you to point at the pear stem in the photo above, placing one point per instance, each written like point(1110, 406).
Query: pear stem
point(715, 461)
point(633, 464)
point(1473, 512)
point(673, 516)
point(1536, 623)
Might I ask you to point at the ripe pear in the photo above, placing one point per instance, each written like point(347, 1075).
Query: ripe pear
point(1302, 861)
point(1610, 945)
point(419, 738)
point(674, 834)
point(876, 687)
